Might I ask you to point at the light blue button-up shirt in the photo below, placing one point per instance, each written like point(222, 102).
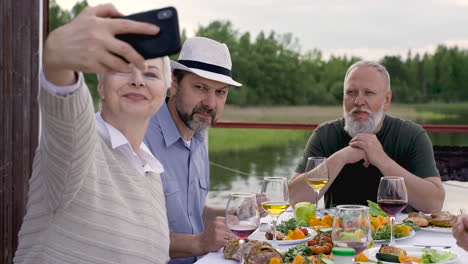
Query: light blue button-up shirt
point(186, 176)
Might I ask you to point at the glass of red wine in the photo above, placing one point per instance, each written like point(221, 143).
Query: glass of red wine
point(351, 227)
point(242, 217)
point(392, 198)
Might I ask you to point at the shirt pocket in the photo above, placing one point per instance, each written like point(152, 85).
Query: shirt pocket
point(203, 184)
point(171, 188)
point(203, 191)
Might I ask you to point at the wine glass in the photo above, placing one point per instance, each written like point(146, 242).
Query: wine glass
point(242, 217)
point(316, 175)
point(275, 199)
point(392, 198)
point(351, 227)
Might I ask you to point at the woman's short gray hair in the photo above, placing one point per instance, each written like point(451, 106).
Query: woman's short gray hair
point(379, 67)
point(167, 74)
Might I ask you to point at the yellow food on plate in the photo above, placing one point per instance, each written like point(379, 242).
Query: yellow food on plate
point(406, 259)
point(360, 257)
point(275, 261)
point(299, 259)
point(402, 229)
point(294, 235)
point(378, 222)
point(326, 221)
point(381, 222)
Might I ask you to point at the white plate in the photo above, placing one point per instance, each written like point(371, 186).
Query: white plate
point(411, 234)
point(410, 251)
point(437, 229)
point(260, 236)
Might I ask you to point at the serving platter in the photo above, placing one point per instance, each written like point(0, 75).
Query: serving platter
point(411, 251)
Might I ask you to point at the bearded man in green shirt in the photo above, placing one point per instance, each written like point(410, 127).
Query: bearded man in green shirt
point(367, 144)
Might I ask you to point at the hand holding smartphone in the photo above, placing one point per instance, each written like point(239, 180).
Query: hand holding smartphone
point(166, 42)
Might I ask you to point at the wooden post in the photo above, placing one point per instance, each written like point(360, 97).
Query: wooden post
point(19, 67)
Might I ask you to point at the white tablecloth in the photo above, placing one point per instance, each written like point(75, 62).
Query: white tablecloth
point(420, 238)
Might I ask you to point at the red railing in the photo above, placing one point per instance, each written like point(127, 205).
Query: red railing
point(312, 126)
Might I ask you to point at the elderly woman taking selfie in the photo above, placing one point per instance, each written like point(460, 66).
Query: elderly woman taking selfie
point(95, 194)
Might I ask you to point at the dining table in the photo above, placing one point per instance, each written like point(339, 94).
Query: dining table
point(429, 238)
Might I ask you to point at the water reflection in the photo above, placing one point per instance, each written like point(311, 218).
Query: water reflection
point(252, 167)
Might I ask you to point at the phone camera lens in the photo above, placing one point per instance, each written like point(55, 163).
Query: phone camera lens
point(165, 14)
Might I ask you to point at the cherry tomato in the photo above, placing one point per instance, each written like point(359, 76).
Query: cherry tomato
point(328, 248)
point(316, 250)
point(321, 249)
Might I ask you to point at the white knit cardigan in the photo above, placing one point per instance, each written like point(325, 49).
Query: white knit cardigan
point(87, 203)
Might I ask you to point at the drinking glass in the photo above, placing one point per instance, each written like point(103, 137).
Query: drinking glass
point(392, 198)
point(316, 175)
point(275, 199)
point(242, 217)
point(351, 227)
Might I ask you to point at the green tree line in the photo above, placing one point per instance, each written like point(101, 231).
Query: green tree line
point(274, 71)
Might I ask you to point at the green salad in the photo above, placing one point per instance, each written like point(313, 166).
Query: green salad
point(435, 256)
point(289, 224)
point(384, 233)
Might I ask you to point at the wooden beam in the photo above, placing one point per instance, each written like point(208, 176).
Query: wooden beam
point(19, 66)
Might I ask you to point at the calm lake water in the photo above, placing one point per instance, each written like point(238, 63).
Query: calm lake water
point(244, 171)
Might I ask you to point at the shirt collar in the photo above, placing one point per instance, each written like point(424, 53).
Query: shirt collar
point(117, 139)
point(168, 128)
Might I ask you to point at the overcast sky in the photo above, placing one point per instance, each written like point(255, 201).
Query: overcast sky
point(369, 29)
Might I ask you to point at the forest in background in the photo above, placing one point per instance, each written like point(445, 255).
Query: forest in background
point(274, 71)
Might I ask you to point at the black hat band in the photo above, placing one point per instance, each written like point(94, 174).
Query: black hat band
point(205, 67)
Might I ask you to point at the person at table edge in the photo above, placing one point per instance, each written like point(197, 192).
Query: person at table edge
point(367, 144)
point(460, 230)
point(95, 193)
point(200, 86)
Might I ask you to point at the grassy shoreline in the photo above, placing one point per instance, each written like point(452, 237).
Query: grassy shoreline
point(428, 112)
point(240, 139)
point(222, 139)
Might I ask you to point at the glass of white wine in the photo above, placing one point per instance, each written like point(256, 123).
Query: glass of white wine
point(275, 199)
point(316, 175)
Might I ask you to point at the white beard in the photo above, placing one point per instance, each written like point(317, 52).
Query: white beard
point(353, 127)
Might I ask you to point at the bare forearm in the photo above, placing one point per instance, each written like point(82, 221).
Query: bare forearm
point(184, 245)
point(212, 239)
point(424, 194)
point(52, 63)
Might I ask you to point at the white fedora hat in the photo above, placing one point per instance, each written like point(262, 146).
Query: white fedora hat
point(206, 58)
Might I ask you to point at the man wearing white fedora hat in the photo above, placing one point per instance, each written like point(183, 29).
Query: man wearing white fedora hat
point(199, 89)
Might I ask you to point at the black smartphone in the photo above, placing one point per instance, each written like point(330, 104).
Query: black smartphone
point(166, 42)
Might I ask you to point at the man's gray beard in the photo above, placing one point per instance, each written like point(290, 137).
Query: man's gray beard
point(353, 127)
point(187, 119)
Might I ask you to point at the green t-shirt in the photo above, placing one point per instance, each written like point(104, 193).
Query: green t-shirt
point(404, 141)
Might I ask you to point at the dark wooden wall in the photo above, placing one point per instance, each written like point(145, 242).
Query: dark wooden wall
point(19, 67)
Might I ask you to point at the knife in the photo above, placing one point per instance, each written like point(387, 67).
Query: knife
point(431, 246)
